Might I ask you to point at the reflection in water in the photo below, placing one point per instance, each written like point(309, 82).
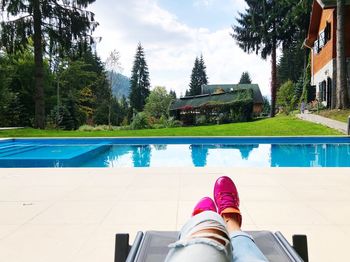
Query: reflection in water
point(239, 155)
point(318, 155)
point(246, 150)
point(114, 156)
point(199, 155)
point(160, 147)
point(141, 156)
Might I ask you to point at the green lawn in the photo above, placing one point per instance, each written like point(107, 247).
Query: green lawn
point(340, 115)
point(278, 126)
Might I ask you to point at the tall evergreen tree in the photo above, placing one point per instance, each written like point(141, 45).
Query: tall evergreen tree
point(195, 87)
point(50, 23)
point(291, 64)
point(261, 29)
point(293, 58)
point(245, 78)
point(139, 82)
point(203, 78)
point(198, 77)
point(172, 93)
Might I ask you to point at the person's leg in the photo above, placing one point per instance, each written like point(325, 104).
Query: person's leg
point(227, 201)
point(203, 238)
point(243, 245)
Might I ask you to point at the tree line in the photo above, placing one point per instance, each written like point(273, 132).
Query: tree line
point(78, 91)
point(51, 75)
point(266, 25)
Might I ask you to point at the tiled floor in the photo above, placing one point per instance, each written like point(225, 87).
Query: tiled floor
point(73, 214)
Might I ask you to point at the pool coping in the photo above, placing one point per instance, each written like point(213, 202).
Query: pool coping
point(198, 139)
point(130, 137)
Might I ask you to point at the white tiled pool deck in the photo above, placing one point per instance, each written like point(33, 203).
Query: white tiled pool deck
point(73, 214)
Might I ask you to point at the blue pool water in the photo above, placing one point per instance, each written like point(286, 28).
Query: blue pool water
point(177, 152)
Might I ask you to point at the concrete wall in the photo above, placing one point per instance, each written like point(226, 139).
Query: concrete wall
point(327, 71)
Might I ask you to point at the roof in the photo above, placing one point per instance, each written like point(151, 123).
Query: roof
point(257, 98)
point(316, 13)
point(209, 99)
point(330, 3)
point(315, 18)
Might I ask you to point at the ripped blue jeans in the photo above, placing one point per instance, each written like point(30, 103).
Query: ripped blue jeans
point(195, 244)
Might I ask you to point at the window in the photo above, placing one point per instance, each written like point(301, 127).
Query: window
point(321, 40)
point(324, 91)
point(328, 32)
point(316, 47)
point(322, 87)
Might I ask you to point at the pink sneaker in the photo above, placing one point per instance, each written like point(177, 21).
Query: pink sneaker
point(205, 204)
point(226, 197)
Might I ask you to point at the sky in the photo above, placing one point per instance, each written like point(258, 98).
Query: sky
point(173, 33)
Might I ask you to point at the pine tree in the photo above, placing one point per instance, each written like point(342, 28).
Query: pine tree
point(291, 63)
point(245, 78)
point(203, 79)
point(139, 82)
point(195, 88)
point(198, 77)
point(261, 29)
point(53, 24)
point(295, 62)
point(172, 93)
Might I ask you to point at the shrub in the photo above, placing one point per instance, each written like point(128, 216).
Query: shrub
point(163, 120)
point(158, 126)
point(286, 97)
point(86, 128)
point(102, 128)
point(174, 123)
point(124, 128)
point(170, 122)
point(140, 121)
point(223, 118)
point(201, 120)
point(98, 128)
point(237, 111)
point(62, 120)
point(157, 103)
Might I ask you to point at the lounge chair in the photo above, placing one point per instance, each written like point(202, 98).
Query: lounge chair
point(152, 246)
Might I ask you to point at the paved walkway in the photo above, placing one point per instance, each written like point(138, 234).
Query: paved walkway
point(340, 126)
point(72, 215)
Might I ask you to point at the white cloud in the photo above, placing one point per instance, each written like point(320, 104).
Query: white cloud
point(205, 3)
point(171, 46)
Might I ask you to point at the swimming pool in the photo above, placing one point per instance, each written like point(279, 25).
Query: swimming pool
point(177, 152)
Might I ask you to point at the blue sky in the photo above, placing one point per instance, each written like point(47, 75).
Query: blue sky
point(211, 14)
point(173, 33)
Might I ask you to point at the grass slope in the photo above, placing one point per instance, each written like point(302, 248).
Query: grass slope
point(278, 126)
point(340, 115)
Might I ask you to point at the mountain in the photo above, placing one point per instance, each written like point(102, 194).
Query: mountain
point(121, 86)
